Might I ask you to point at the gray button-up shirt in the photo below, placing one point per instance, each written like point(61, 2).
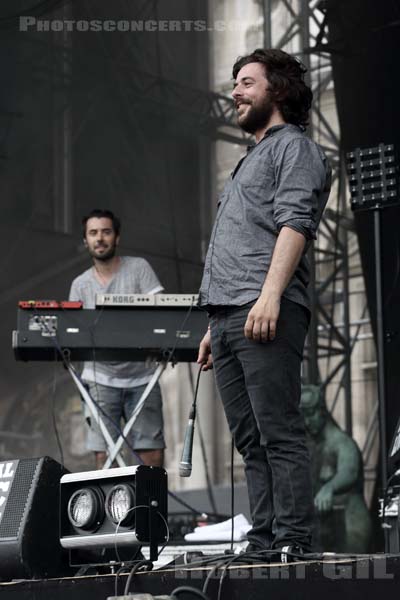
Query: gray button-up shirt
point(284, 180)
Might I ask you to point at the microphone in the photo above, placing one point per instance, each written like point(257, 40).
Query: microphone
point(185, 466)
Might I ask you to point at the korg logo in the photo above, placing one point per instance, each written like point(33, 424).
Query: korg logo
point(7, 472)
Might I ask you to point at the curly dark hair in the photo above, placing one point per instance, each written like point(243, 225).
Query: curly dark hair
point(101, 213)
point(285, 75)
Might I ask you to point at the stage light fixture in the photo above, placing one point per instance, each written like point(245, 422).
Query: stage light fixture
point(120, 504)
point(114, 508)
point(86, 509)
point(373, 177)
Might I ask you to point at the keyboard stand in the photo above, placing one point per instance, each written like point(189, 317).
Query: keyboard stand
point(115, 450)
point(87, 398)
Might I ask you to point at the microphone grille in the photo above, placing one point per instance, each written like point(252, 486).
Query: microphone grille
point(185, 469)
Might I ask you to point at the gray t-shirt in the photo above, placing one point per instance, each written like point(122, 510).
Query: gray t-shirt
point(135, 276)
point(284, 180)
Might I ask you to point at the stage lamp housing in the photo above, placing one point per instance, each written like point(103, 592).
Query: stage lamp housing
point(118, 508)
point(85, 509)
point(119, 504)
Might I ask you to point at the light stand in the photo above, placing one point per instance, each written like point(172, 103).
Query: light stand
point(373, 187)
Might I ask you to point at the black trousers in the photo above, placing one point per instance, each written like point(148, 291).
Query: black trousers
point(260, 387)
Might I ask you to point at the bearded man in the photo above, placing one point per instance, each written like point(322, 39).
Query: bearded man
point(117, 387)
point(254, 288)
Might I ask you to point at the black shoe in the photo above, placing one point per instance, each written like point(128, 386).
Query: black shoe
point(288, 554)
point(253, 548)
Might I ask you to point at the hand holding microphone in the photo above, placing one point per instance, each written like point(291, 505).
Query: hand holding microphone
point(205, 357)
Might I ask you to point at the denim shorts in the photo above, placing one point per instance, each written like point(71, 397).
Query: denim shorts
point(118, 404)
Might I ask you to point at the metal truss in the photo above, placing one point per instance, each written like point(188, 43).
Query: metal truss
point(332, 335)
point(208, 113)
point(329, 347)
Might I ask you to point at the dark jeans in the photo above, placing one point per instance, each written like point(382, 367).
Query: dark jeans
point(260, 388)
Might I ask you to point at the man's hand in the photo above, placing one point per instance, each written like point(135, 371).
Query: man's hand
point(323, 501)
point(205, 358)
point(262, 319)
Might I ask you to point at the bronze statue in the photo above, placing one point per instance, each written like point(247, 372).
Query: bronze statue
point(338, 479)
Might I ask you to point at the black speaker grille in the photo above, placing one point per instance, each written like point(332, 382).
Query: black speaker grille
point(18, 498)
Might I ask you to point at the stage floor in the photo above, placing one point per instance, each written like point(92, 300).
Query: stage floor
point(360, 577)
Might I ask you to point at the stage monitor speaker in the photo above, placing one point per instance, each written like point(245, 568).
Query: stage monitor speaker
point(29, 519)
